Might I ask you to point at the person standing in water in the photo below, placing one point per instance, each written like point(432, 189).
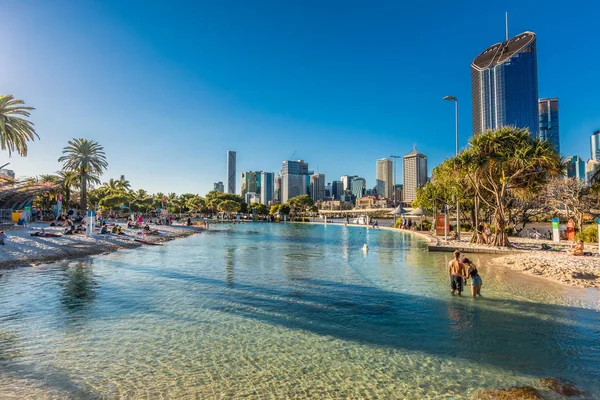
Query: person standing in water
point(457, 273)
point(472, 273)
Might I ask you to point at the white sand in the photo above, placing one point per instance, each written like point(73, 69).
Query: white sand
point(22, 248)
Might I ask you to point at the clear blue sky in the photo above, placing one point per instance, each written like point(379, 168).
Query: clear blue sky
point(168, 87)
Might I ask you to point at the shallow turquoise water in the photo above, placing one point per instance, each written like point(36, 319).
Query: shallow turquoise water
point(286, 311)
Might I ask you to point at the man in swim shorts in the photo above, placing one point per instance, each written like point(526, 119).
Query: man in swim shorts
point(457, 273)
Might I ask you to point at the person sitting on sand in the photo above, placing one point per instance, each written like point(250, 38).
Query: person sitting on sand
point(479, 233)
point(472, 273)
point(576, 249)
point(2, 238)
point(457, 273)
point(104, 229)
point(487, 233)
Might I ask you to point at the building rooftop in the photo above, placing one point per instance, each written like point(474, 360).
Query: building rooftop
point(499, 53)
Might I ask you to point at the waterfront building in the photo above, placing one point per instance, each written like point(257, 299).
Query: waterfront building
point(231, 159)
point(384, 177)
point(337, 189)
point(267, 187)
point(277, 193)
point(219, 187)
point(414, 165)
point(590, 168)
point(250, 182)
point(576, 168)
point(359, 185)
point(366, 202)
point(252, 197)
point(548, 127)
point(347, 181)
point(317, 187)
point(595, 145)
point(504, 83)
point(294, 175)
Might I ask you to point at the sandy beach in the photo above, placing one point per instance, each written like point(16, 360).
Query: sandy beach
point(21, 248)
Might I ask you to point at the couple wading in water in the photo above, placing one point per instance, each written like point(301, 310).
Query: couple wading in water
point(460, 271)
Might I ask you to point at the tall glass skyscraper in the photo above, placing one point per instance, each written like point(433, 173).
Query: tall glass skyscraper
point(595, 145)
point(505, 85)
point(548, 110)
point(576, 168)
point(231, 156)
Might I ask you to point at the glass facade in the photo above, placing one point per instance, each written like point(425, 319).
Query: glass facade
point(359, 185)
point(576, 168)
point(267, 187)
point(548, 111)
point(231, 157)
point(505, 86)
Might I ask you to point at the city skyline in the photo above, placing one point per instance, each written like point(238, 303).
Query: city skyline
point(320, 87)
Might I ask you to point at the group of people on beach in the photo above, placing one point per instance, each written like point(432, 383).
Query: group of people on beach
point(460, 272)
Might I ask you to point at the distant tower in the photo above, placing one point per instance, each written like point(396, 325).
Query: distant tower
point(219, 187)
point(576, 168)
point(267, 187)
point(548, 110)
point(595, 145)
point(294, 176)
point(414, 166)
point(231, 157)
point(317, 187)
point(504, 83)
point(384, 178)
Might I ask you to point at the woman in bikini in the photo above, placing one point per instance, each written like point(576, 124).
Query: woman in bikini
point(472, 273)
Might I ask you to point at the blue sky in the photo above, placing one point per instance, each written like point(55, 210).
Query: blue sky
point(169, 87)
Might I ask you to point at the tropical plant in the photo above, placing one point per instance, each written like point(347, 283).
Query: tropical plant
point(68, 180)
point(87, 159)
point(261, 209)
point(15, 129)
point(503, 164)
point(301, 204)
point(229, 206)
point(572, 196)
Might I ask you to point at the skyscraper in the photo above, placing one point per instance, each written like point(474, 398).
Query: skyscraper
point(293, 179)
point(595, 145)
point(576, 168)
point(347, 181)
point(231, 156)
point(548, 111)
point(385, 177)
point(277, 185)
point(590, 169)
point(414, 166)
point(267, 187)
point(359, 185)
point(337, 189)
point(317, 187)
point(250, 182)
point(219, 187)
point(505, 85)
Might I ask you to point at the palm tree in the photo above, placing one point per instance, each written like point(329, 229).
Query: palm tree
point(503, 164)
point(68, 180)
point(15, 129)
point(123, 184)
point(87, 159)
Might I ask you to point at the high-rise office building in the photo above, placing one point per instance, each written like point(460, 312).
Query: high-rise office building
point(337, 189)
point(231, 156)
point(576, 168)
point(219, 187)
point(328, 190)
point(414, 166)
point(317, 187)
point(384, 177)
point(397, 194)
point(293, 179)
point(277, 185)
point(548, 127)
point(250, 182)
point(505, 85)
point(267, 187)
point(590, 169)
point(347, 181)
point(595, 145)
point(359, 185)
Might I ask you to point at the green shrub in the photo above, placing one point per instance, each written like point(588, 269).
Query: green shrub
point(398, 223)
point(589, 234)
point(426, 225)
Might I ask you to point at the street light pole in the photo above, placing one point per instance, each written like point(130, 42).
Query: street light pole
point(455, 100)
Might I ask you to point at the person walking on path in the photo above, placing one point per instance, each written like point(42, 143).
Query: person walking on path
point(457, 273)
point(473, 274)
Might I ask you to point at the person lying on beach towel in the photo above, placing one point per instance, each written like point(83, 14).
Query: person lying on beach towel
point(44, 234)
point(152, 232)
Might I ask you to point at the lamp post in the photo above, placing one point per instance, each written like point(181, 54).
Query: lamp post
point(455, 100)
point(394, 185)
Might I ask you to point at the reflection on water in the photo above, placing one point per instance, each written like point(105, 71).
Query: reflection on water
point(289, 311)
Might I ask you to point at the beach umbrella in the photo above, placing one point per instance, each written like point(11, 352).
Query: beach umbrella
point(419, 212)
point(398, 211)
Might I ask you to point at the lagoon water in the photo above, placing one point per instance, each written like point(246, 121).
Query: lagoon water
point(279, 311)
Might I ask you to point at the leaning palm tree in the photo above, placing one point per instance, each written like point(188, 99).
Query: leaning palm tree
point(15, 129)
point(87, 159)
